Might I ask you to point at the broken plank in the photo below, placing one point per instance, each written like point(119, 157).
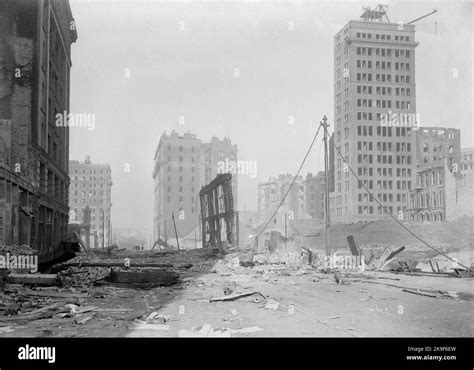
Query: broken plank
point(35, 316)
point(417, 292)
point(233, 297)
point(352, 245)
point(115, 264)
point(36, 293)
point(393, 254)
point(38, 279)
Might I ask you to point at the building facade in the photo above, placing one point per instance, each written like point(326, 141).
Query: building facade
point(315, 190)
point(271, 193)
point(91, 191)
point(435, 144)
point(35, 61)
point(375, 117)
point(220, 156)
point(183, 164)
point(441, 194)
point(177, 178)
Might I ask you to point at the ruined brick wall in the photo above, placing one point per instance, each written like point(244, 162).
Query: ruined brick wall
point(464, 196)
point(17, 59)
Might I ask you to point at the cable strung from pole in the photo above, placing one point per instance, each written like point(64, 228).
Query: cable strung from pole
point(392, 216)
point(289, 188)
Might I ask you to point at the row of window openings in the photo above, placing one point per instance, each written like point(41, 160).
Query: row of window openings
point(76, 185)
point(382, 131)
point(91, 193)
point(180, 148)
point(382, 36)
point(369, 210)
point(430, 179)
point(399, 66)
point(383, 52)
point(383, 78)
point(385, 184)
point(386, 172)
point(180, 179)
point(181, 169)
point(90, 200)
point(180, 189)
point(383, 90)
point(401, 198)
point(76, 171)
point(181, 159)
point(91, 178)
point(384, 146)
point(437, 148)
point(425, 201)
point(372, 103)
point(384, 159)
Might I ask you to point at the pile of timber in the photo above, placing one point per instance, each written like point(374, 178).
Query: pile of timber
point(145, 277)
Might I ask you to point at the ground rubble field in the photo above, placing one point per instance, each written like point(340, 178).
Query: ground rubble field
point(238, 294)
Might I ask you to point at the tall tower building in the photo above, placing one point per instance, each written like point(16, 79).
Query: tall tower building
point(90, 188)
point(177, 181)
point(375, 117)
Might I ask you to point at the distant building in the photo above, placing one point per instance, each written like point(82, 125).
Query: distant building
point(315, 190)
point(177, 181)
point(441, 195)
point(374, 113)
point(467, 159)
point(271, 193)
point(220, 156)
point(435, 144)
point(90, 187)
point(35, 63)
point(183, 164)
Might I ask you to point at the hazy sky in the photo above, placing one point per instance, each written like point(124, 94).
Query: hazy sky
point(191, 72)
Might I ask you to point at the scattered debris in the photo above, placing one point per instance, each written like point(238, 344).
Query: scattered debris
point(272, 305)
point(204, 332)
point(252, 329)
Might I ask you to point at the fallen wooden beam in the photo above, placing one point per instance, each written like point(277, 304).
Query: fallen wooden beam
point(39, 293)
point(38, 279)
point(420, 293)
point(115, 264)
point(233, 297)
point(432, 268)
point(34, 316)
point(352, 245)
point(155, 277)
point(393, 254)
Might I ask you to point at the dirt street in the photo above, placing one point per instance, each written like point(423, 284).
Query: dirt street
point(288, 301)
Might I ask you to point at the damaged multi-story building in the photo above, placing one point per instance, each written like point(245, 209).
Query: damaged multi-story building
point(183, 164)
point(441, 194)
point(35, 63)
point(272, 192)
point(435, 144)
point(315, 194)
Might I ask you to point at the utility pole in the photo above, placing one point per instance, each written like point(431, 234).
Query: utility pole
point(325, 125)
point(103, 229)
point(166, 237)
point(286, 234)
point(175, 231)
